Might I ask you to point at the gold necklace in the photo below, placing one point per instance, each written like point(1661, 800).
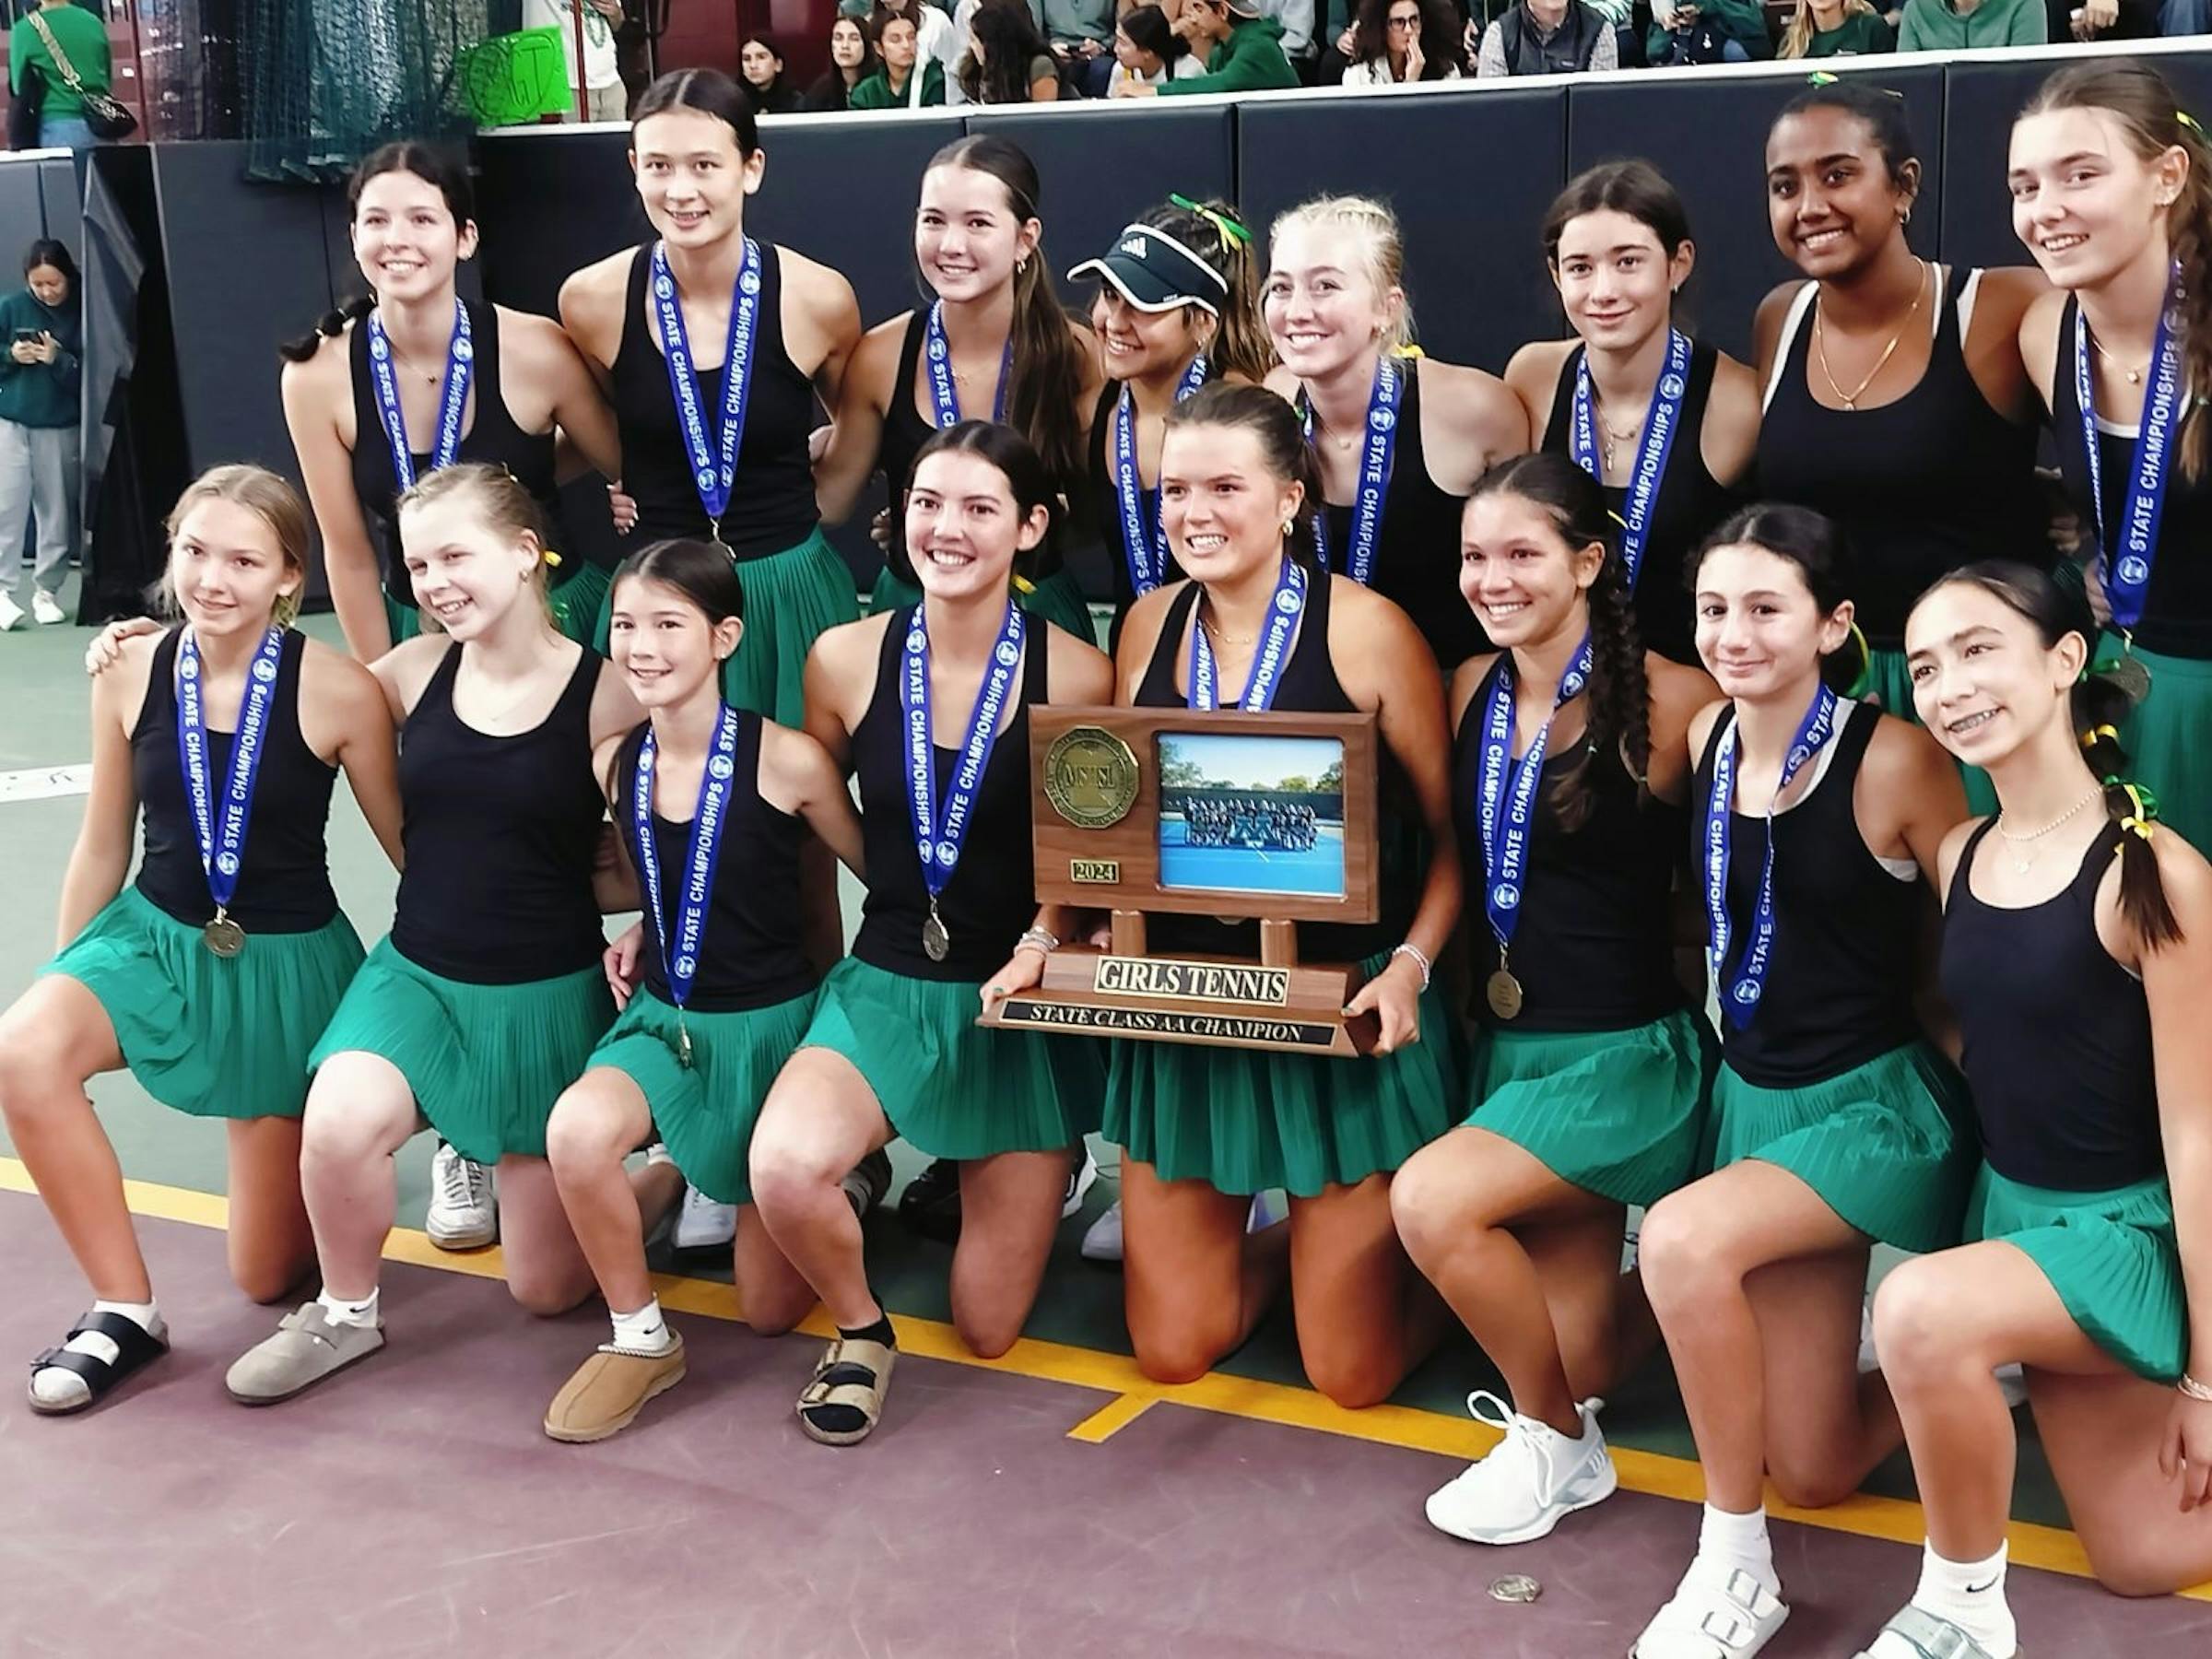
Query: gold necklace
point(2135, 374)
point(1851, 398)
point(2022, 861)
point(1610, 436)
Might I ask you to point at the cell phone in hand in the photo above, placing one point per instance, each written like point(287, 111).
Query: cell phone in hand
point(29, 336)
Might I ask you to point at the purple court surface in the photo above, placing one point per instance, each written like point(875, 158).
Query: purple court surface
point(413, 1507)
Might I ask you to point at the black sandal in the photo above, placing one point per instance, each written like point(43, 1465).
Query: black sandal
point(134, 1346)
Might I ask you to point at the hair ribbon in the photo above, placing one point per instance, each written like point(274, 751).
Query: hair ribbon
point(1226, 224)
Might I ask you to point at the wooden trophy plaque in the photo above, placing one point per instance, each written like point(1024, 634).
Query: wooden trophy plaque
point(1266, 817)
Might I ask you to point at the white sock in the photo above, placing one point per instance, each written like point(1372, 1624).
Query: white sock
point(1972, 1595)
point(1732, 1542)
point(53, 1386)
point(341, 1312)
point(645, 1332)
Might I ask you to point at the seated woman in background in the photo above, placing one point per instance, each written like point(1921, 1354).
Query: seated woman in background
point(901, 81)
point(1148, 52)
point(760, 62)
point(1008, 60)
point(851, 61)
point(1394, 41)
point(1820, 28)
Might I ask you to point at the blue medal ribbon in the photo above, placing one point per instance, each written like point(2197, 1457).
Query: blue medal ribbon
point(1660, 423)
point(1506, 801)
point(1375, 464)
point(944, 396)
point(679, 946)
point(2127, 576)
point(1144, 537)
point(1740, 997)
point(939, 830)
point(222, 839)
point(713, 469)
point(1268, 663)
point(460, 369)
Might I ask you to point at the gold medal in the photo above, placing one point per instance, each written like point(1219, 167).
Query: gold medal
point(223, 936)
point(937, 944)
point(2131, 676)
point(1504, 993)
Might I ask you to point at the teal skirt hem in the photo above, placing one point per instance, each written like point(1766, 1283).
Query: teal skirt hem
point(950, 1086)
point(1881, 1144)
point(212, 1036)
point(1058, 599)
point(1618, 1113)
point(1245, 1119)
point(2111, 1256)
point(791, 598)
point(705, 1112)
point(485, 1062)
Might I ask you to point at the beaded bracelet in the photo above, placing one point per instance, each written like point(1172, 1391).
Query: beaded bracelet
point(2194, 1390)
point(1420, 959)
point(1037, 936)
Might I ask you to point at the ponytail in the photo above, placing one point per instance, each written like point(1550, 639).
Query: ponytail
point(331, 325)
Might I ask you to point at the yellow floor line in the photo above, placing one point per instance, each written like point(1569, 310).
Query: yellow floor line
point(2054, 1550)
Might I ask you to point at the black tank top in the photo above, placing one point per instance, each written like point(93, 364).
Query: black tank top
point(991, 898)
point(904, 433)
point(2177, 614)
point(492, 436)
point(751, 956)
point(1594, 949)
point(1309, 685)
point(1690, 505)
point(2057, 1034)
point(772, 504)
point(1417, 548)
point(1921, 486)
point(500, 834)
point(1838, 991)
point(284, 876)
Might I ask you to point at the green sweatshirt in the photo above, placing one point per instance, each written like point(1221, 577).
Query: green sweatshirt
point(38, 394)
point(1933, 26)
point(1251, 60)
point(1743, 20)
point(874, 93)
point(1858, 35)
point(84, 39)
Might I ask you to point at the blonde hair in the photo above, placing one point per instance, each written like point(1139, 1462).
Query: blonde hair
point(269, 499)
point(1797, 35)
point(1373, 230)
point(502, 503)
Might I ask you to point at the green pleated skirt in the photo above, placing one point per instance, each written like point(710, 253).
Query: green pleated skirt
point(1618, 1113)
point(1882, 1144)
point(1245, 1120)
point(791, 598)
point(1886, 677)
point(486, 1062)
point(1057, 599)
point(215, 1036)
point(2168, 740)
point(575, 602)
point(2111, 1256)
point(951, 1087)
point(705, 1111)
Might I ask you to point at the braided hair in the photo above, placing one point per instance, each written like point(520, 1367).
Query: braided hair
point(2099, 703)
point(1620, 715)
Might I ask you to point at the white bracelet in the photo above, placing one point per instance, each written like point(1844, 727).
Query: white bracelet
point(1420, 959)
point(2194, 1390)
point(1040, 938)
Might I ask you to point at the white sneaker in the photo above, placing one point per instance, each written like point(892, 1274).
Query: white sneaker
point(11, 614)
point(463, 1213)
point(45, 609)
point(703, 1224)
point(1529, 1481)
point(1716, 1616)
point(1079, 1179)
point(1102, 1242)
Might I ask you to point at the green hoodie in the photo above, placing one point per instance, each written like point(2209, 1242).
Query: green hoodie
point(874, 93)
point(1251, 60)
point(1933, 26)
point(1741, 21)
point(39, 395)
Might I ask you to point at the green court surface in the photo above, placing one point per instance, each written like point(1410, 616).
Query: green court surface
point(43, 691)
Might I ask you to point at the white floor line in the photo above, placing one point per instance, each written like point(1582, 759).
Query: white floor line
point(44, 783)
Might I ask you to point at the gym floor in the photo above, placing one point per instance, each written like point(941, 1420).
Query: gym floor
point(1051, 1501)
